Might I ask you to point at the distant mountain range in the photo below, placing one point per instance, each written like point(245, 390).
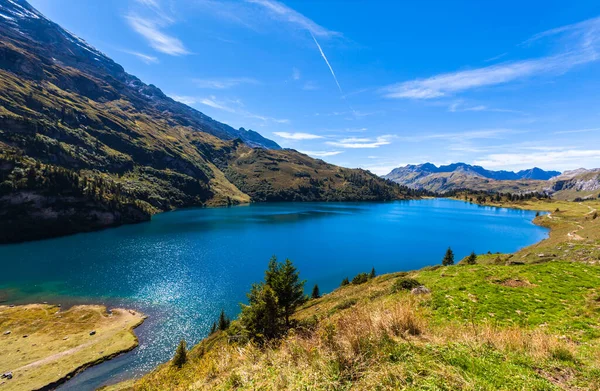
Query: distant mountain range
point(467, 169)
point(85, 145)
point(427, 176)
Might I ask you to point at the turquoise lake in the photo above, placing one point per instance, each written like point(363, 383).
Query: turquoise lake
point(183, 267)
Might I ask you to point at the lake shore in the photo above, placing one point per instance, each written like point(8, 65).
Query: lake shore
point(44, 346)
point(573, 229)
point(498, 313)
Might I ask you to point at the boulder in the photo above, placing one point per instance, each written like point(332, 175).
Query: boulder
point(420, 290)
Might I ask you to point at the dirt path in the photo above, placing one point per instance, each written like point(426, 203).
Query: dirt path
point(573, 234)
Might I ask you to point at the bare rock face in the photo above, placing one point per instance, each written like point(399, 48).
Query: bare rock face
point(420, 290)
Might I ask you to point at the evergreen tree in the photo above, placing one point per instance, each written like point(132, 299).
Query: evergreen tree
point(223, 321)
point(345, 282)
point(448, 258)
point(372, 275)
point(471, 259)
point(262, 316)
point(180, 357)
point(213, 328)
point(315, 292)
point(285, 281)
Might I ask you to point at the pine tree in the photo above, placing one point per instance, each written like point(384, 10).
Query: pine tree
point(223, 321)
point(285, 281)
point(213, 328)
point(180, 357)
point(471, 259)
point(372, 275)
point(262, 316)
point(315, 292)
point(448, 258)
point(345, 282)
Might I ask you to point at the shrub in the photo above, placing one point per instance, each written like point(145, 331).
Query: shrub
point(562, 354)
point(471, 259)
point(405, 284)
point(346, 304)
point(360, 278)
point(345, 282)
point(307, 325)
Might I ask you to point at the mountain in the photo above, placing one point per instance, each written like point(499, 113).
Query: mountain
point(580, 183)
point(85, 145)
point(36, 46)
point(461, 175)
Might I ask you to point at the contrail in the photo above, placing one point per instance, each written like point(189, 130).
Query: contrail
point(327, 62)
point(331, 69)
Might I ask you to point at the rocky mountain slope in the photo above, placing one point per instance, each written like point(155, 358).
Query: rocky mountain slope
point(464, 176)
point(579, 183)
point(85, 145)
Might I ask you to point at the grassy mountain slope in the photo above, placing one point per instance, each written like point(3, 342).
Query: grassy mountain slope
point(510, 322)
point(84, 145)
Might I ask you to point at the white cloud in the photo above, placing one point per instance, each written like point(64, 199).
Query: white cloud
point(236, 107)
point(461, 136)
point(310, 86)
point(151, 31)
point(211, 102)
point(295, 73)
point(460, 106)
point(281, 12)
point(321, 153)
point(186, 100)
point(357, 142)
point(577, 131)
point(149, 3)
point(566, 159)
point(587, 29)
point(144, 57)
point(584, 40)
point(297, 136)
point(224, 83)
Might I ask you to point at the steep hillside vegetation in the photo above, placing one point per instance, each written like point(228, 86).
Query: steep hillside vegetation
point(84, 145)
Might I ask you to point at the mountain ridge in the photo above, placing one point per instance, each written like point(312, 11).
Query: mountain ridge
point(534, 173)
point(456, 176)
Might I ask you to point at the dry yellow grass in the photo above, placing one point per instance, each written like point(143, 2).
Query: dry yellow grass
point(46, 345)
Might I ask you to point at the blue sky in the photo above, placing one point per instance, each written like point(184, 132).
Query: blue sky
point(506, 85)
